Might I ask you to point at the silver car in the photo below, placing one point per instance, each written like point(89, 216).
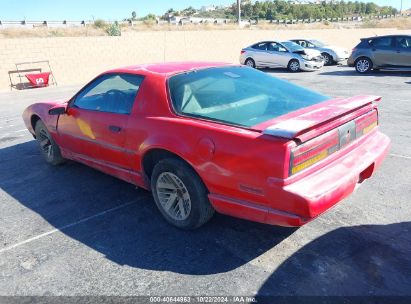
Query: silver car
point(286, 54)
point(331, 54)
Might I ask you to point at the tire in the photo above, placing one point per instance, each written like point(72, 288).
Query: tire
point(363, 65)
point(328, 59)
point(250, 63)
point(48, 147)
point(293, 66)
point(172, 177)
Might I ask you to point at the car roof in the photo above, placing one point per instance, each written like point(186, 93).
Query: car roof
point(307, 39)
point(168, 68)
point(374, 37)
point(266, 41)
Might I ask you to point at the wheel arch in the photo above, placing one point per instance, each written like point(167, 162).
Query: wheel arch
point(152, 156)
point(373, 65)
point(300, 62)
point(364, 56)
point(250, 58)
point(34, 118)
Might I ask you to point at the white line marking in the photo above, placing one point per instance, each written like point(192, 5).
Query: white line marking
point(65, 227)
point(401, 156)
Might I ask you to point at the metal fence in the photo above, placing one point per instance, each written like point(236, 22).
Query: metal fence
point(186, 20)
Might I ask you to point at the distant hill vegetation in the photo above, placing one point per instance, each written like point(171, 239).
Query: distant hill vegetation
point(281, 9)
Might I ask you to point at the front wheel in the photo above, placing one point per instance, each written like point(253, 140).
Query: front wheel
point(363, 65)
point(180, 195)
point(48, 147)
point(294, 66)
point(328, 59)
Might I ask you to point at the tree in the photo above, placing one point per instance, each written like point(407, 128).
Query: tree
point(133, 15)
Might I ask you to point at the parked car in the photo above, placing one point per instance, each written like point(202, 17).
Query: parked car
point(332, 54)
point(384, 52)
point(211, 136)
point(286, 54)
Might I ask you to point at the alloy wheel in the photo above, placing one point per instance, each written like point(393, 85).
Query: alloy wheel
point(294, 66)
point(363, 65)
point(250, 63)
point(173, 196)
point(45, 143)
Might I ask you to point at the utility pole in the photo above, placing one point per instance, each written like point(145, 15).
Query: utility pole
point(401, 8)
point(239, 11)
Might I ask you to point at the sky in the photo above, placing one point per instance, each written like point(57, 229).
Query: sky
point(38, 10)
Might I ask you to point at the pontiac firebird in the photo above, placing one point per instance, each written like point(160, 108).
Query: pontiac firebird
point(206, 137)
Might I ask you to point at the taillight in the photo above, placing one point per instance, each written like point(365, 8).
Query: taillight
point(366, 123)
point(315, 150)
point(242, 51)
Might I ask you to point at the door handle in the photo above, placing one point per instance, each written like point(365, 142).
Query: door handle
point(114, 129)
point(398, 51)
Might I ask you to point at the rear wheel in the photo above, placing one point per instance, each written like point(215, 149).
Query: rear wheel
point(328, 59)
point(363, 65)
point(294, 66)
point(180, 195)
point(48, 147)
point(250, 63)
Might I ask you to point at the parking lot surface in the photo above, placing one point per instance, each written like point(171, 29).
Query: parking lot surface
point(71, 230)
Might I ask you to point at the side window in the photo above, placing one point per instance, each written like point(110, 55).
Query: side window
point(309, 45)
point(260, 46)
point(276, 47)
point(273, 47)
point(404, 43)
point(382, 43)
point(114, 93)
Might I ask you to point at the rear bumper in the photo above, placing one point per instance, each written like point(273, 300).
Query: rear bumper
point(341, 58)
point(315, 193)
point(351, 62)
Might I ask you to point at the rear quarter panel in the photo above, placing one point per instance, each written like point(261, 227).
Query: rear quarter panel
point(231, 161)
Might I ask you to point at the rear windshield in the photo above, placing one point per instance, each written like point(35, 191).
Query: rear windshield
point(237, 95)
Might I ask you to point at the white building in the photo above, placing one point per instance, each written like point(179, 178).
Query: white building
point(208, 8)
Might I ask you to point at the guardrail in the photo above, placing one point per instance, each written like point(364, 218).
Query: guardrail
point(187, 20)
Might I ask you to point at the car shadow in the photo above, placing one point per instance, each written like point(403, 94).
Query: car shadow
point(280, 71)
point(366, 260)
point(135, 234)
point(372, 73)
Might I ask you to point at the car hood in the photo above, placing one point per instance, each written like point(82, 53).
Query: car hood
point(335, 49)
point(309, 52)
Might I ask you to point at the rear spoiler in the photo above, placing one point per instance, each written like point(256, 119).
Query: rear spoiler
point(318, 116)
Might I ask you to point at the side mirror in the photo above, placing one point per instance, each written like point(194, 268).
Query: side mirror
point(57, 110)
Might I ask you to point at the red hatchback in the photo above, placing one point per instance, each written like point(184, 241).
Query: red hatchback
point(210, 136)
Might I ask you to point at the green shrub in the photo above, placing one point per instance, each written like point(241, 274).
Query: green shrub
point(99, 23)
point(114, 30)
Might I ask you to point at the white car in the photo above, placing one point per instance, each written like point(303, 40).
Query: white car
point(332, 54)
point(286, 54)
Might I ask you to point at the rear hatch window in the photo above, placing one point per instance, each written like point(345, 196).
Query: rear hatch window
point(237, 95)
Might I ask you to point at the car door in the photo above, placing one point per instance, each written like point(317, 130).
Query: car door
point(94, 128)
point(403, 50)
point(259, 53)
point(277, 55)
point(383, 50)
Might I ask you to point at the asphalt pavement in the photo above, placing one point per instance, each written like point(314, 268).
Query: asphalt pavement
point(71, 230)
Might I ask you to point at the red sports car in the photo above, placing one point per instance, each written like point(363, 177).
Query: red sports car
point(207, 137)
